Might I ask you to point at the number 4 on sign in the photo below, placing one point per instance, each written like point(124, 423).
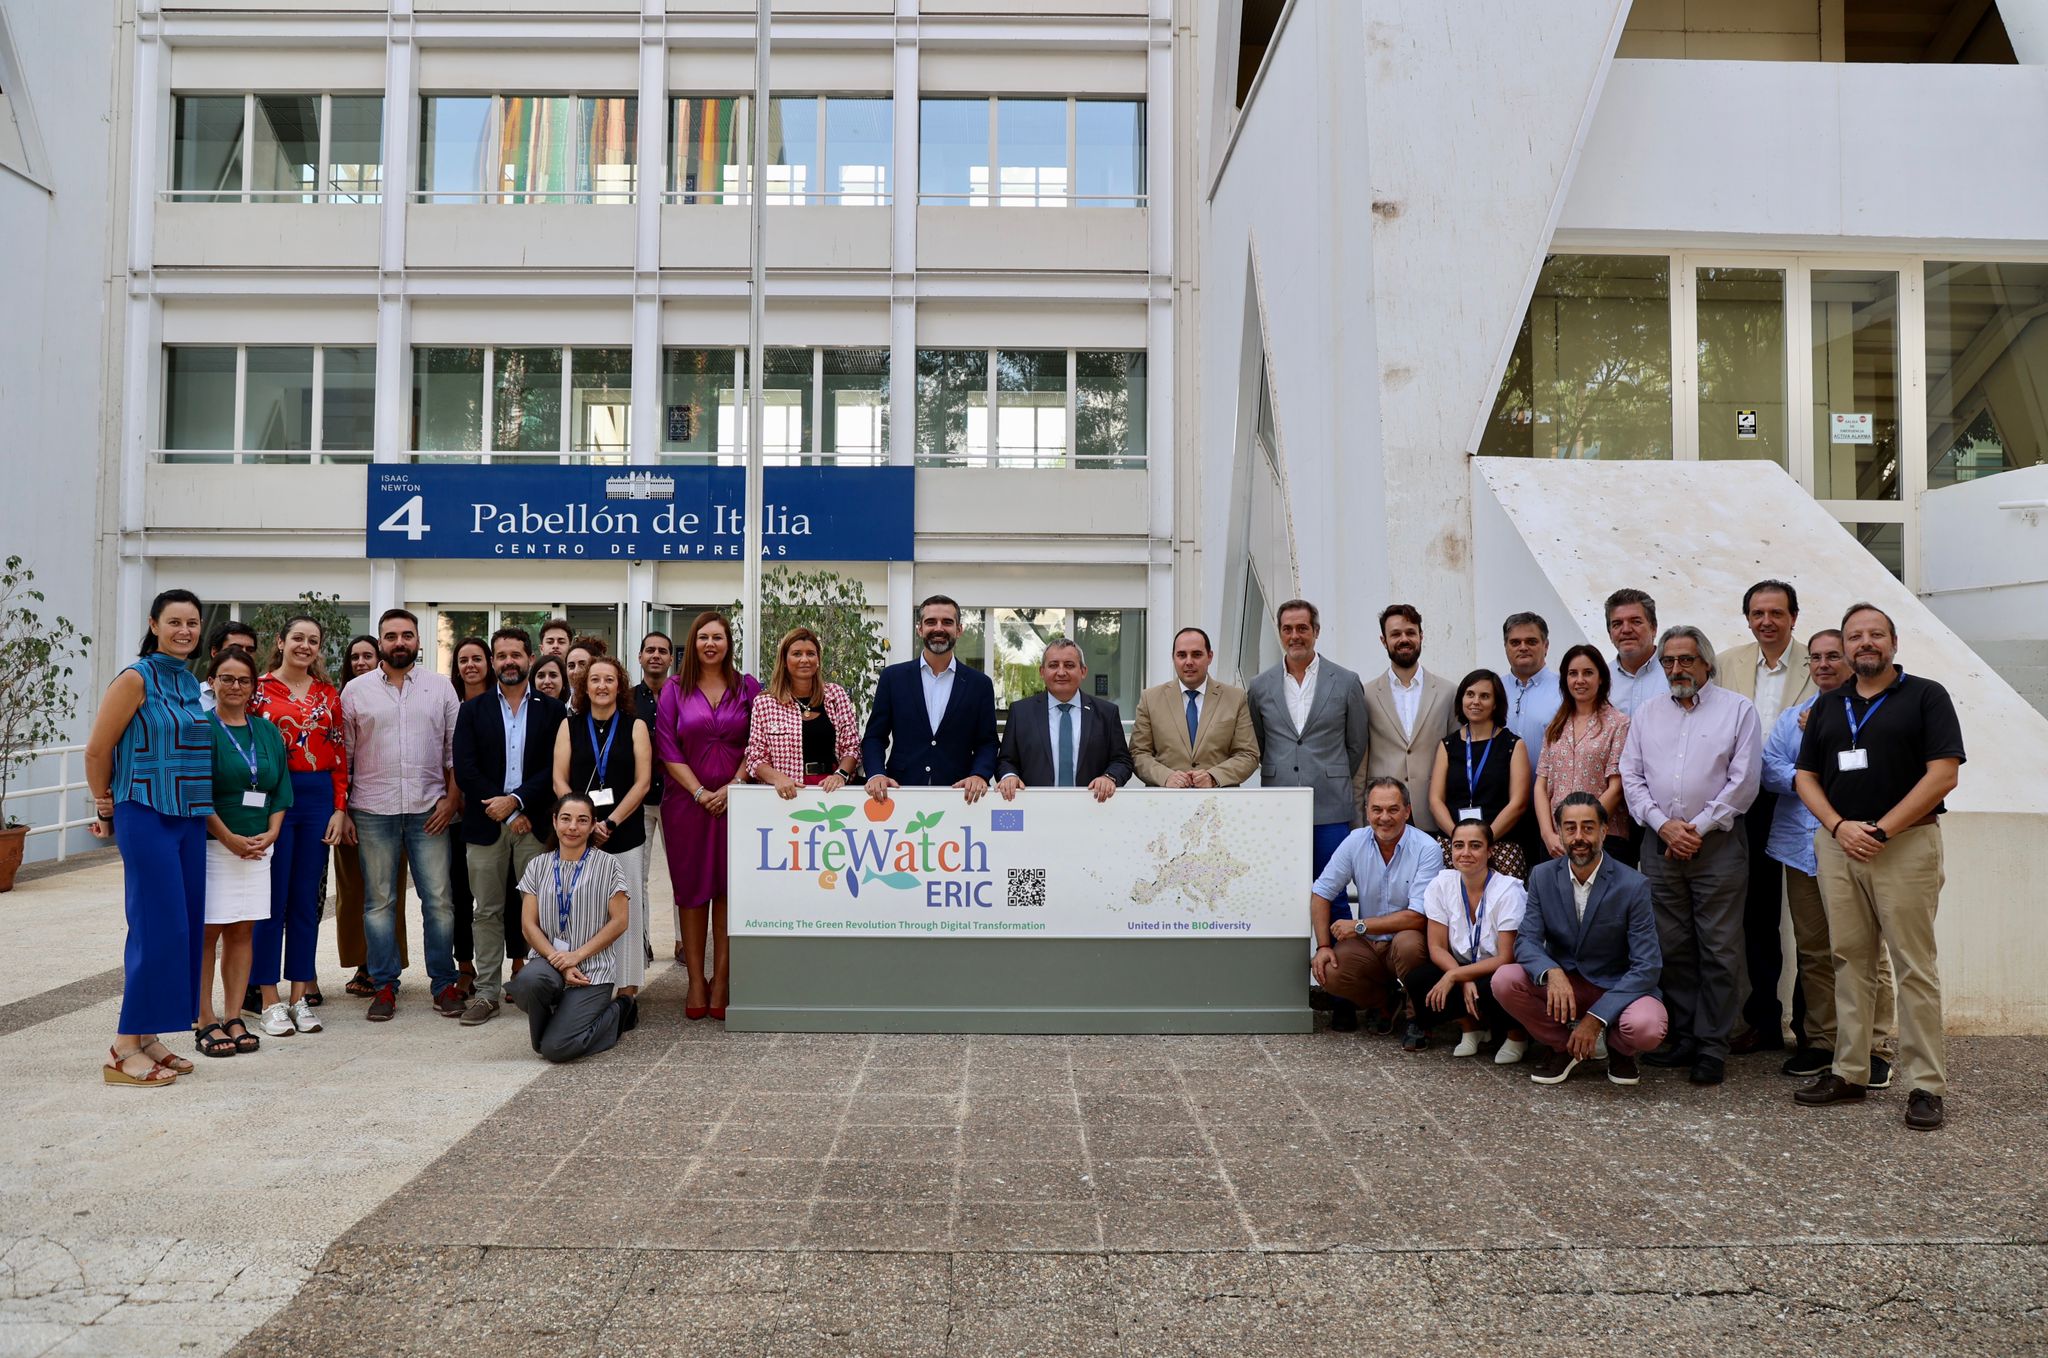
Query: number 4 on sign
point(409, 518)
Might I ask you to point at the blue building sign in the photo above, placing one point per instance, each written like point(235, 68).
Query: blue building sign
point(637, 513)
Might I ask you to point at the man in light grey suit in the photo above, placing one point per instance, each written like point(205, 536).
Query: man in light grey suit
point(1309, 715)
point(1407, 712)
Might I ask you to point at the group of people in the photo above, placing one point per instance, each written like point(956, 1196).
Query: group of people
point(1551, 854)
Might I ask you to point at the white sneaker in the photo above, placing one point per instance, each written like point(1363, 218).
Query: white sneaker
point(304, 1018)
point(276, 1020)
point(1469, 1043)
point(1511, 1051)
point(1600, 1047)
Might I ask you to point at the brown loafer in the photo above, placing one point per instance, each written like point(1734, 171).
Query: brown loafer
point(1829, 1088)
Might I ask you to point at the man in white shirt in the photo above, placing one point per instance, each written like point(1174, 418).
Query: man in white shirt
point(1407, 712)
point(1772, 673)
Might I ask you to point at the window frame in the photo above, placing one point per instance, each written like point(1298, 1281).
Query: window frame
point(239, 454)
point(486, 454)
point(491, 193)
point(993, 194)
point(813, 193)
point(321, 193)
point(1071, 459)
point(813, 453)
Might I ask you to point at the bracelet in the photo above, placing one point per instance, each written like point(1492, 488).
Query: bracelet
point(699, 794)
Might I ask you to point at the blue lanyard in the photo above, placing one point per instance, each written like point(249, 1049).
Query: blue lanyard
point(1475, 920)
point(603, 756)
point(248, 755)
point(1472, 778)
point(563, 899)
point(1849, 711)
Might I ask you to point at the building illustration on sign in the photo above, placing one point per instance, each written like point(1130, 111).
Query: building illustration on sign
point(640, 486)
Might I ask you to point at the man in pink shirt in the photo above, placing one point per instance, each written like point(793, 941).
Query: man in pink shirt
point(398, 722)
point(1690, 770)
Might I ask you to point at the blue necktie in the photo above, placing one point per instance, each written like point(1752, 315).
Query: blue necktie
point(1194, 719)
point(1063, 767)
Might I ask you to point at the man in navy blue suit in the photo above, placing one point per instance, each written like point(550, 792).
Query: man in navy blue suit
point(1586, 955)
point(934, 720)
point(1063, 737)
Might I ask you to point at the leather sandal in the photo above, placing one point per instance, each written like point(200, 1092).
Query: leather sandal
point(169, 1059)
point(111, 1072)
point(245, 1041)
point(210, 1045)
point(360, 985)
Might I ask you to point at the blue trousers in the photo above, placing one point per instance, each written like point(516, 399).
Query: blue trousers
point(381, 840)
point(1322, 845)
point(164, 865)
point(298, 864)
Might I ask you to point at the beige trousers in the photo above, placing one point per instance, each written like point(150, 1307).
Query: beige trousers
point(1817, 970)
point(1889, 900)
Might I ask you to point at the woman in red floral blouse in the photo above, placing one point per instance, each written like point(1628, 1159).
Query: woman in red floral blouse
point(305, 707)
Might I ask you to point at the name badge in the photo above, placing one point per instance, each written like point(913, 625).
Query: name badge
point(255, 799)
point(1848, 761)
point(561, 945)
point(1469, 813)
point(601, 796)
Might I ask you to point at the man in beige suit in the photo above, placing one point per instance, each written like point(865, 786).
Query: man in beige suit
point(1193, 732)
point(1407, 713)
point(1772, 673)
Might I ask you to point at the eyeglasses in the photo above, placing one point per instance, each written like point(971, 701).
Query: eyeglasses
point(1672, 662)
point(232, 681)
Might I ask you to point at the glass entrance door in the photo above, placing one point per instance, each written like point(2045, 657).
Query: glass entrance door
point(1739, 338)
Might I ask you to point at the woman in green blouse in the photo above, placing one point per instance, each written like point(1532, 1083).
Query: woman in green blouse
point(252, 789)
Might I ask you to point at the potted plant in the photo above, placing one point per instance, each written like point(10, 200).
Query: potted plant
point(36, 698)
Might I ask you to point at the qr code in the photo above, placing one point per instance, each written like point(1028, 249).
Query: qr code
point(1027, 888)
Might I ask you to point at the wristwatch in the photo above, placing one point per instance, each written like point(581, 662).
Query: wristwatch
point(1877, 832)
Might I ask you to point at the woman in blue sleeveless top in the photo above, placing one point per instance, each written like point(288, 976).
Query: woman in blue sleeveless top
point(149, 765)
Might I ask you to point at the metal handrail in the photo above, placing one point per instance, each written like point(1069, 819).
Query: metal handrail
point(513, 197)
point(61, 789)
point(364, 196)
point(1031, 198)
point(788, 197)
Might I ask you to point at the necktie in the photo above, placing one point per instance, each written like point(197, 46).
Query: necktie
point(1063, 766)
point(1194, 718)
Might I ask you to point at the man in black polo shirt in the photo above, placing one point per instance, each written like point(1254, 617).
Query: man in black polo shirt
point(1878, 757)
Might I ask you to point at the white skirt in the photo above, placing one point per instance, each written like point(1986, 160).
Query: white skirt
point(237, 889)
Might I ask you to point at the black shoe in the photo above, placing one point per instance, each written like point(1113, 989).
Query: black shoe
point(1622, 1070)
point(252, 1000)
point(1556, 1068)
point(1829, 1088)
point(1707, 1070)
point(1415, 1038)
point(1806, 1062)
point(1880, 1073)
point(1923, 1111)
point(629, 1012)
point(1344, 1017)
point(1672, 1055)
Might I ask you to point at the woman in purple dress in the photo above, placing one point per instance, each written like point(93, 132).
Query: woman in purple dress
point(699, 735)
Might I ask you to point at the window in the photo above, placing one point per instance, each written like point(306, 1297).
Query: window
point(821, 150)
point(1987, 351)
point(574, 404)
point(1590, 373)
point(1741, 319)
point(526, 148)
point(268, 403)
point(1047, 152)
point(1008, 643)
point(1855, 384)
point(1257, 21)
point(449, 626)
point(277, 148)
point(705, 394)
point(1038, 395)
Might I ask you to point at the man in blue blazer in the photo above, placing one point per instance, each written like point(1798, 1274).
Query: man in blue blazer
point(1586, 955)
point(1096, 755)
point(934, 719)
point(504, 797)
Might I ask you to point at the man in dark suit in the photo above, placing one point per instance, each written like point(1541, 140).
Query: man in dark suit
point(934, 719)
point(1586, 955)
point(1063, 737)
point(504, 764)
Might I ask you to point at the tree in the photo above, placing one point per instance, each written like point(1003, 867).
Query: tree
point(834, 607)
point(36, 655)
point(324, 609)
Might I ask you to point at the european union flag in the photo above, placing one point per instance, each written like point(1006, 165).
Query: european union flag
point(1006, 820)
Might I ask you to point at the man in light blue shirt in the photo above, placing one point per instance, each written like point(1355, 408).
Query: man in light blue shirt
point(1636, 676)
point(1365, 959)
point(1533, 692)
point(1791, 843)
